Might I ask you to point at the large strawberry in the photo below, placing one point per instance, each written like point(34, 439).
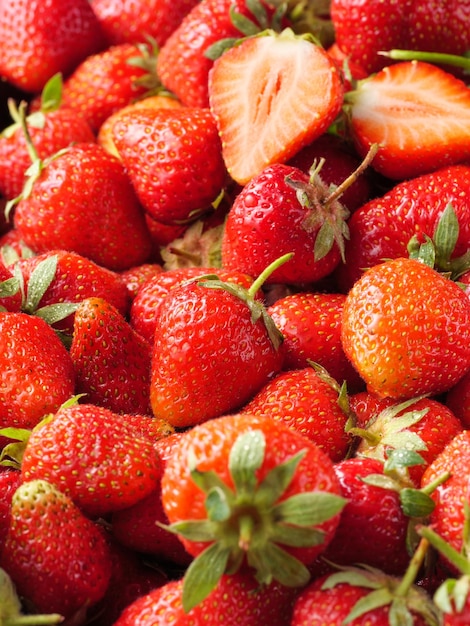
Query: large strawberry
point(248, 493)
point(49, 540)
point(406, 329)
point(271, 96)
point(39, 39)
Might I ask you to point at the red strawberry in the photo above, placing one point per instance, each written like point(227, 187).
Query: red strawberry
point(307, 403)
point(10, 480)
point(311, 326)
point(49, 540)
point(173, 157)
point(83, 201)
point(111, 361)
point(135, 277)
point(418, 113)
point(383, 227)
point(128, 21)
point(405, 329)
point(265, 518)
point(123, 74)
point(458, 400)
point(411, 24)
point(265, 121)
point(38, 40)
point(214, 348)
point(94, 456)
point(37, 370)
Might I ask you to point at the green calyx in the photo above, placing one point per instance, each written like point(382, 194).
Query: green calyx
point(251, 523)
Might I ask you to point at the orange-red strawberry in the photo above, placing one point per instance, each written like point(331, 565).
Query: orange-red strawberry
point(39, 39)
point(418, 113)
point(173, 157)
point(49, 540)
point(95, 456)
point(271, 96)
point(406, 329)
point(111, 360)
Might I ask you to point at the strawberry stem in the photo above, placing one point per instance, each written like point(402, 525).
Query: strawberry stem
point(259, 282)
point(414, 566)
point(430, 57)
point(18, 114)
point(338, 191)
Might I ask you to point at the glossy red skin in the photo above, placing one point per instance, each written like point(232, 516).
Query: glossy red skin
point(238, 599)
point(311, 326)
point(10, 480)
point(94, 456)
point(382, 228)
point(209, 358)
point(448, 516)
point(265, 222)
point(136, 276)
point(129, 21)
point(36, 369)
point(61, 129)
point(211, 443)
point(406, 329)
point(111, 360)
point(84, 202)
point(39, 40)
point(307, 404)
point(144, 308)
point(428, 25)
point(436, 428)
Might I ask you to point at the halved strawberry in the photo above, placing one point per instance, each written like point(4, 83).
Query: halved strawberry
point(418, 113)
point(272, 95)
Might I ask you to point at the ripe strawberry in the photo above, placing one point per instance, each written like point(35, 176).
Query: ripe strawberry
point(94, 456)
point(10, 480)
point(37, 370)
point(383, 227)
point(173, 158)
point(123, 73)
point(267, 121)
point(415, 25)
point(83, 201)
point(406, 329)
point(111, 361)
point(214, 348)
point(267, 526)
point(307, 403)
point(135, 277)
point(49, 540)
point(418, 113)
point(144, 307)
point(128, 21)
point(39, 40)
point(311, 326)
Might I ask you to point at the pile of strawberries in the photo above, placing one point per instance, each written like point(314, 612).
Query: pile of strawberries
point(235, 312)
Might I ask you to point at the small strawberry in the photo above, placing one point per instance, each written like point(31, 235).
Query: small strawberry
point(39, 40)
point(49, 540)
point(418, 113)
point(174, 159)
point(405, 329)
point(94, 456)
point(266, 121)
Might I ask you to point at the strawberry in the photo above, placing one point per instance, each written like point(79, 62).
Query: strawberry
point(94, 456)
point(265, 518)
point(417, 112)
point(311, 326)
point(185, 59)
point(123, 73)
point(415, 25)
point(46, 529)
point(383, 227)
point(135, 277)
point(111, 361)
point(128, 21)
point(39, 40)
point(173, 158)
point(215, 346)
point(458, 400)
point(36, 369)
point(307, 403)
point(262, 122)
point(405, 329)
point(83, 201)
point(10, 480)
point(144, 307)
